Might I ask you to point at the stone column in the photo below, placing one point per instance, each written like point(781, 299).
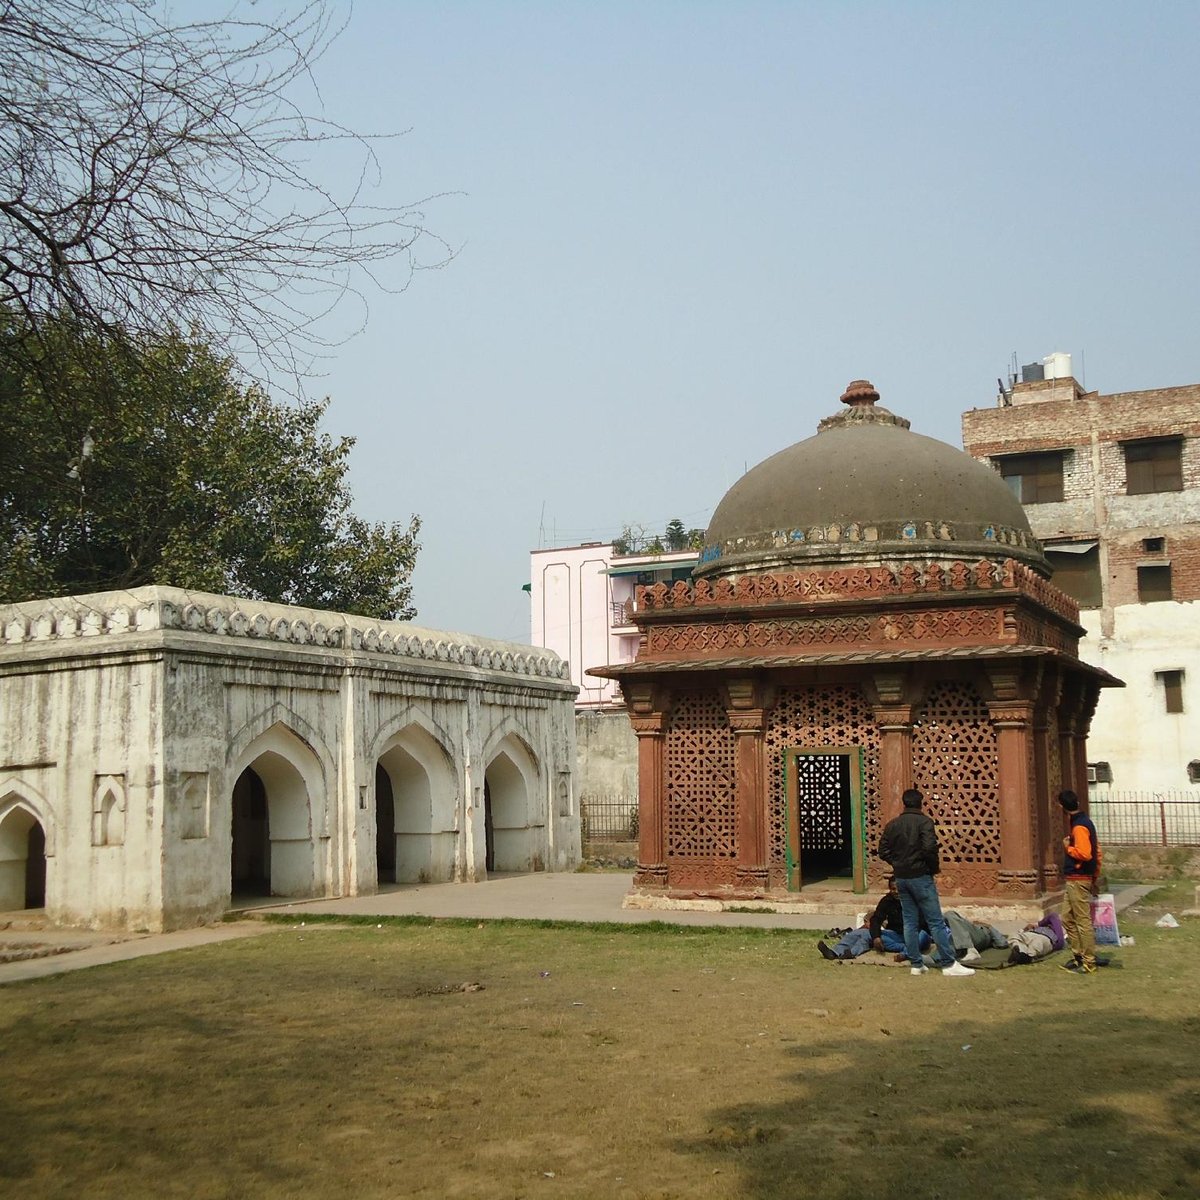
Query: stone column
point(1013, 721)
point(893, 711)
point(649, 720)
point(746, 713)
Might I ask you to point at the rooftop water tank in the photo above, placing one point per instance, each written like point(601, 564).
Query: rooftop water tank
point(1057, 365)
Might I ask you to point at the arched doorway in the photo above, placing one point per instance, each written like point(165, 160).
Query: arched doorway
point(22, 861)
point(250, 857)
point(385, 827)
point(271, 843)
point(414, 810)
point(510, 830)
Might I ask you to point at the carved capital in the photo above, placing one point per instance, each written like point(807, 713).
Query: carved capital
point(1010, 714)
point(893, 717)
point(750, 721)
point(653, 725)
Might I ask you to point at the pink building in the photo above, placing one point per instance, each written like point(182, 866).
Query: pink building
point(579, 596)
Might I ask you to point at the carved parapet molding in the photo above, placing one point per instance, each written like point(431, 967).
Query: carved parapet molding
point(232, 618)
point(849, 583)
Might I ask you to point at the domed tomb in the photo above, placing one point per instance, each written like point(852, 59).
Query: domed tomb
point(866, 488)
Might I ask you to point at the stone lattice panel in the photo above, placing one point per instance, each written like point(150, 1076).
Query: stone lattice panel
point(701, 806)
point(819, 791)
point(809, 718)
point(955, 766)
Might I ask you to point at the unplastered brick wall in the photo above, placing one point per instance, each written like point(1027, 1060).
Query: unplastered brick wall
point(1078, 477)
point(1126, 554)
point(1066, 424)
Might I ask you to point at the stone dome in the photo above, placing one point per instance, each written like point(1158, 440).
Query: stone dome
point(866, 489)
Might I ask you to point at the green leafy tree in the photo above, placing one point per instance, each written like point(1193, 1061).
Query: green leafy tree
point(146, 461)
point(675, 535)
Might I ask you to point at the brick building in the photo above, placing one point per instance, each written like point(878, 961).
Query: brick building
point(1111, 486)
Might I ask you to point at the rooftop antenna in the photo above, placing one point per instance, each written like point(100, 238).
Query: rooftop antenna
point(542, 528)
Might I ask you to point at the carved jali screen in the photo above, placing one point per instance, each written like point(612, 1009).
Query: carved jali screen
point(823, 800)
point(955, 766)
point(701, 811)
point(812, 717)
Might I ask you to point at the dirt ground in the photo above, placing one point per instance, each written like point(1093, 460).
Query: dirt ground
point(509, 1060)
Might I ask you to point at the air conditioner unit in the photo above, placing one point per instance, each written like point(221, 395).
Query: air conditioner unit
point(1091, 774)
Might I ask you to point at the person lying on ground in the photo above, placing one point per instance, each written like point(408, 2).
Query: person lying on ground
point(969, 937)
point(883, 932)
point(1037, 940)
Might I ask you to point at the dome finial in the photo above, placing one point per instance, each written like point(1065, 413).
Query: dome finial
point(859, 393)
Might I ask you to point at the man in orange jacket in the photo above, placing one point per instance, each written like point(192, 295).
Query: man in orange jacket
point(1081, 873)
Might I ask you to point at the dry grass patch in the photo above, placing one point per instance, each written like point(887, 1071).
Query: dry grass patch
point(598, 1062)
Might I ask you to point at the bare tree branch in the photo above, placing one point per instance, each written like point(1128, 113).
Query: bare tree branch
point(156, 173)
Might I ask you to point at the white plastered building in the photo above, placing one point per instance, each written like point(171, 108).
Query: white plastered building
point(163, 752)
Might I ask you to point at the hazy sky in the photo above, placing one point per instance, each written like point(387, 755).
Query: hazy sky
point(684, 227)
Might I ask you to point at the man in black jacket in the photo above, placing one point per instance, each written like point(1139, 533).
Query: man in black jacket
point(909, 844)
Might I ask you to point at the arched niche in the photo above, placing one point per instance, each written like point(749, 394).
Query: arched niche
point(415, 794)
point(273, 849)
point(513, 834)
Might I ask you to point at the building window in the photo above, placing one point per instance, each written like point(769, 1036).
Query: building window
point(1153, 467)
point(1034, 478)
point(1077, 571)
point(1154, 545)
point(1154, 583)
point(1099, 772)
point(1194, 771)
point(1172, 685)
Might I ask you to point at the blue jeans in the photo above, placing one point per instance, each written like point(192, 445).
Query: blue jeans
point(919, 898)
point(858, 941)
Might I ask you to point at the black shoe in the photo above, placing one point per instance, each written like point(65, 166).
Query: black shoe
point(827, 953)
point(1078, 968)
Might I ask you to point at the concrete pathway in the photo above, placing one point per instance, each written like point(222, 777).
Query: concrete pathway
point(585, 897)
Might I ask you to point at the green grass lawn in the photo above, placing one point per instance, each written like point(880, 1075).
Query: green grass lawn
point(599, 1062)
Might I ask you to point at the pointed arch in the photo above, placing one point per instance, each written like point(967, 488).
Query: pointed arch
point(277, 807)
point(23, 840)
point(279, 715)
point(16, 792)
point(408, 717)
point(416, 805)
point(513, 831)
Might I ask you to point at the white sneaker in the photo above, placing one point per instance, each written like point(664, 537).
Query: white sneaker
point(972, 955)
point(925, 971)
point(957, 969)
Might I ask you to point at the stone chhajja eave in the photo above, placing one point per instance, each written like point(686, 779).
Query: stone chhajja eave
point(869, 658)
point(850, 585)
point(206, 623)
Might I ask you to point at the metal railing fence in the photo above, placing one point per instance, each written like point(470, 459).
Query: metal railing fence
point(1166, 818)
point(609, 817)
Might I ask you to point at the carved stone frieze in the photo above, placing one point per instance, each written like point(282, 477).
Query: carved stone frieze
point(894, 630)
